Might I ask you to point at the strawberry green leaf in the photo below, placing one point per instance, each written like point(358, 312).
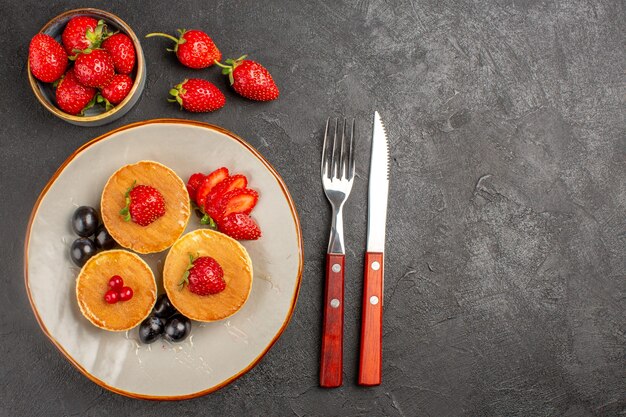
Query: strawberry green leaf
point(88, 106)
point(208, 220)
point(185, 278)
point(125, 212)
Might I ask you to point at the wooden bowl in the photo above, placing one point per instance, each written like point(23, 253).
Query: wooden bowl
point(96, 116)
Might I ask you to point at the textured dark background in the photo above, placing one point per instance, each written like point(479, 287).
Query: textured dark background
point(506, 279)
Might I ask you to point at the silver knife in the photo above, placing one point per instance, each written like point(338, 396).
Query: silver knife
point(370, 363)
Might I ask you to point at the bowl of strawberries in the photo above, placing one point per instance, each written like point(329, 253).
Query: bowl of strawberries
point(86, 66)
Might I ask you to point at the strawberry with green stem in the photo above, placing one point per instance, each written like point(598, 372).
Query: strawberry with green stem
point(197, 95)
point(250, 79)
point(205, 220)
point(203, 276)
point(144, 204)
point(199, 186)
point(194, 48)
point(83, 32)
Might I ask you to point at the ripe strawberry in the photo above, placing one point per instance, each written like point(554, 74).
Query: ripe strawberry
point(80, 33)
point(122, 51)
point(239, 226)
point(46, 58)
point(212, 202)
point(94, 68)
point(204, 276)
point(144, 204)
point(195, 181)
point(194, 48)
point(117, 90)
point(196, 95)
point(250, 79)
point(240, 200)
point(72, 97)
point(207, 185)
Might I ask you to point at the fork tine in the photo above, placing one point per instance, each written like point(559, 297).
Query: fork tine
point(351, 164)
point(324, 164)
point(343, 159)
point(334, 165)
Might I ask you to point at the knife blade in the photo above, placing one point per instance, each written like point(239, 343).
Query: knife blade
point(378, 188)
point(370, 362)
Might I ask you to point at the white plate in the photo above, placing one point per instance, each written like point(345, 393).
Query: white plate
point(216, 353)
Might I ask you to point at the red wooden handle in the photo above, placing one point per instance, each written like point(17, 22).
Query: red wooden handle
point(331, 365)
point(370, 364)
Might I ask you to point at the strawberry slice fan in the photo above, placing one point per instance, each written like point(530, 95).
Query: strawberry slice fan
point(225, 202)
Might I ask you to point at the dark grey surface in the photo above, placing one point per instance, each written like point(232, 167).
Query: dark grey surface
point(506, 245)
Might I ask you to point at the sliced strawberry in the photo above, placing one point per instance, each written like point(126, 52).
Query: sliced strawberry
point(213, 210)
point(241, 200)
point(209, 183)
point(195, 181)
point(212, 201)
point(240, 226)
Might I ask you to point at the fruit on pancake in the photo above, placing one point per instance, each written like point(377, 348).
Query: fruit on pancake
point(126, 293)
point(111, 296)
point(117, 291)
point(116, 282)
point(144, 205)
point(204, 276)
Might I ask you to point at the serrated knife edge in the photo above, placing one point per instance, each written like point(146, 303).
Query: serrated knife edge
point(378, 187)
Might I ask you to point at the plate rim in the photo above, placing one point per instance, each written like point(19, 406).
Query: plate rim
point(294, 214)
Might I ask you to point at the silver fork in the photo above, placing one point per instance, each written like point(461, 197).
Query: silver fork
point(337, 170)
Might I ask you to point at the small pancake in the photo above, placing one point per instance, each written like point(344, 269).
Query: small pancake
point(92, 284)
point(164, 231)
point(234, 260)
